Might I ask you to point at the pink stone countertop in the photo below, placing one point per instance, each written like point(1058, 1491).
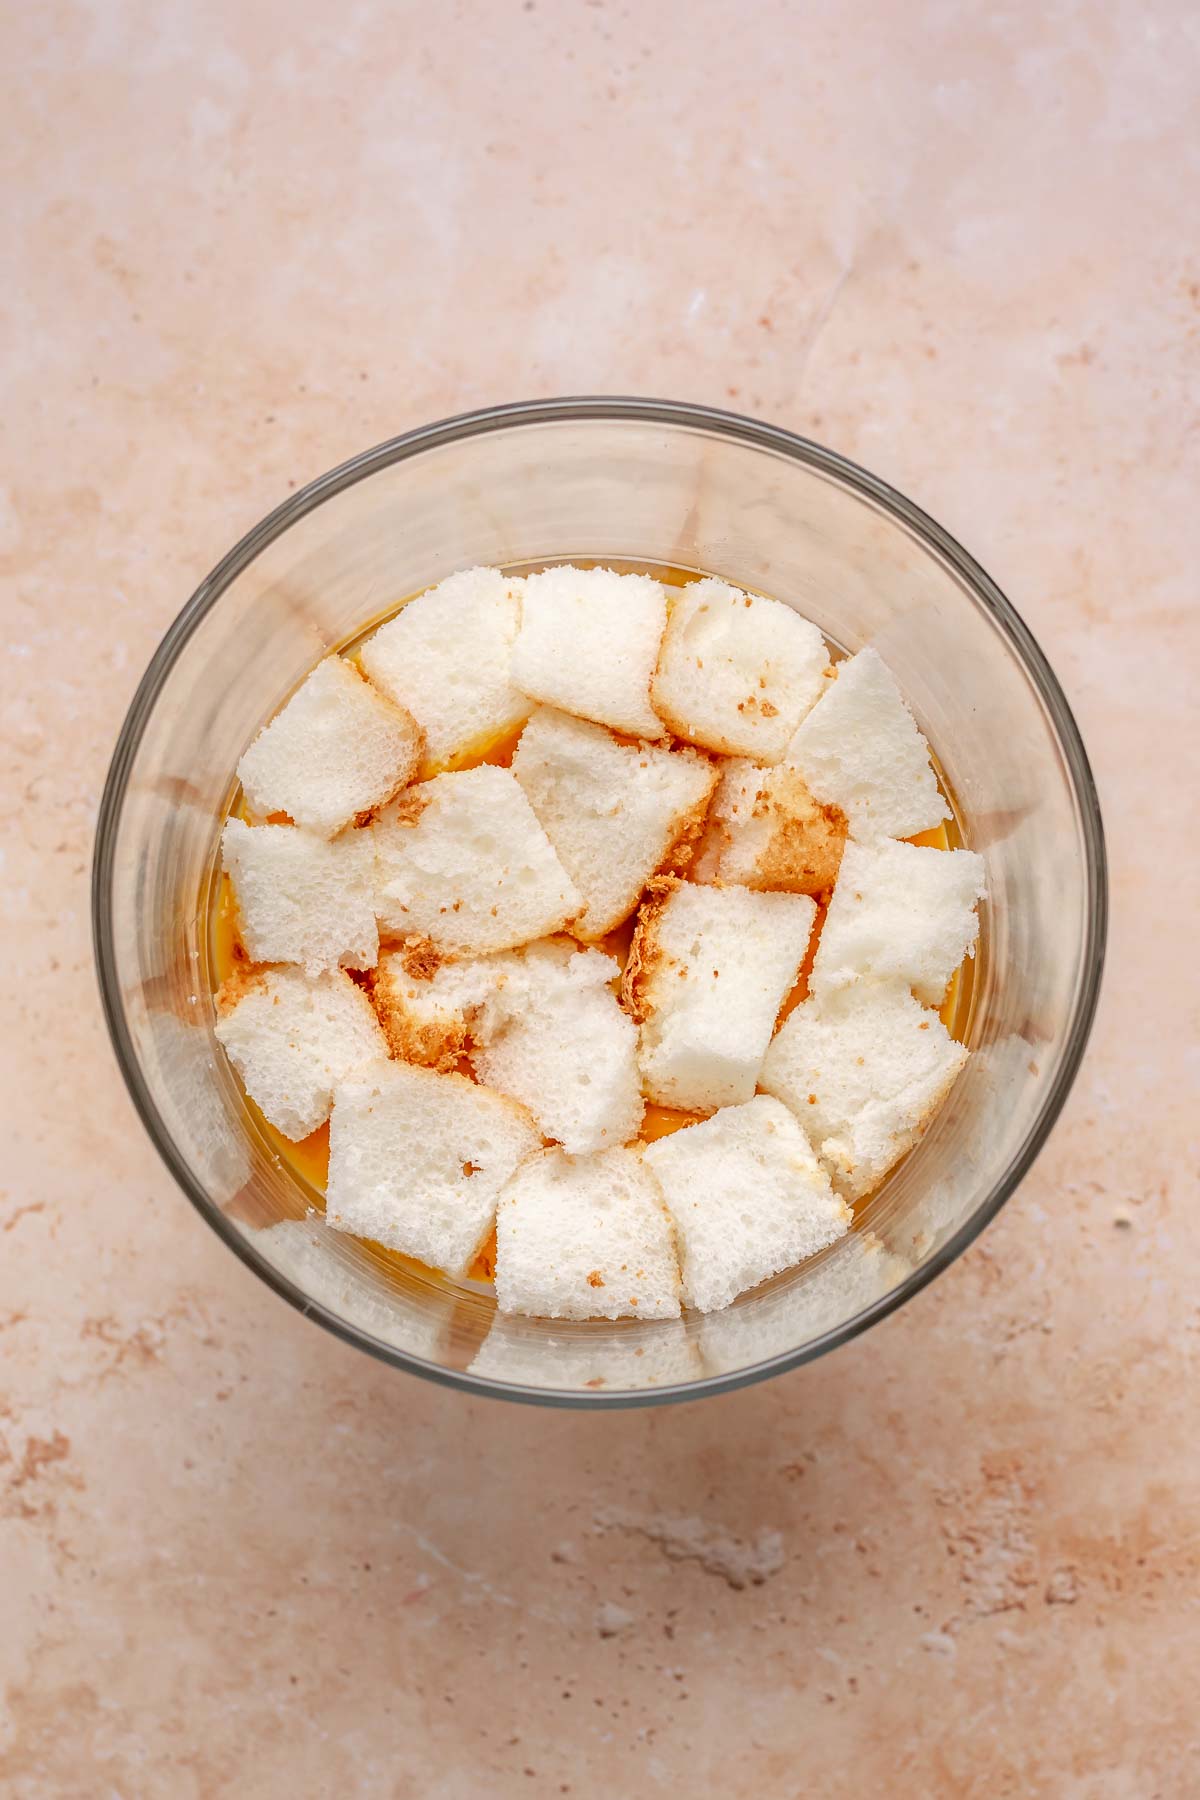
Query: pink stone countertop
point(959, 244)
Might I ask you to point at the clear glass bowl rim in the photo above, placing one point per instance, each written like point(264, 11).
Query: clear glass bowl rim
point(573, 409)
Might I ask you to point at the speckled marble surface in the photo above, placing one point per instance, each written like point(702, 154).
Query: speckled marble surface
point(244, 242)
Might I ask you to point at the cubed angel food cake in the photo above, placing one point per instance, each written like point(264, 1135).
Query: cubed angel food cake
point(579, 923)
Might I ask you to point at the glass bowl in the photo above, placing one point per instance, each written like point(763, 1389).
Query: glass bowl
point(653, 482)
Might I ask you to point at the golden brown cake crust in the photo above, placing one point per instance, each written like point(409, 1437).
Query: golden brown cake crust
point(804, 851)
point(691, 828)
point(420, 957)
point(645, 955)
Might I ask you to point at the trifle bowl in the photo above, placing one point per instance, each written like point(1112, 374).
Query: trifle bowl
point(632, 484)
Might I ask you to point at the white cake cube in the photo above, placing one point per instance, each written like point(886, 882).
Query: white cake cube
point(431, 1014)
point(447, 657)
point(338, 748)
point(585, 1237)
point(616, 813)
point(748, 1198)
point(708, 971)
point(463, 861)
point(557, 1040)
point(301, 899)
point(588, 643)
point(737, 673)
point(864, 1070)
point(292, 1038)
point(765, 830)
point(859, 749)
point(900, 912)
point(417, 1161)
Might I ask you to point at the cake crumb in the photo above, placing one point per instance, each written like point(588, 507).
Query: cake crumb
point(611, 1619)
